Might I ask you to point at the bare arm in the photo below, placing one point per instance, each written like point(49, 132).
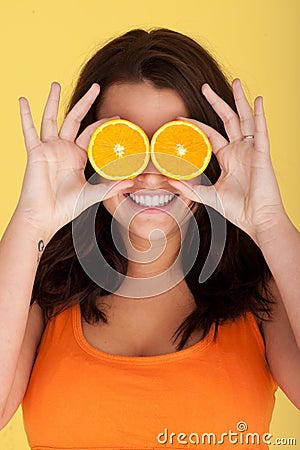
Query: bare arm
point(280, 246)
point(20, 249)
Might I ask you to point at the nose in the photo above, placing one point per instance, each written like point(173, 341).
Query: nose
point(151, 176)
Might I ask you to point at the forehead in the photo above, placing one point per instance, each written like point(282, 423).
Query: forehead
point(143, 104)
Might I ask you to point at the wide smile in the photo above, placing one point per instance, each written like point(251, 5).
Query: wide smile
point(151, 200)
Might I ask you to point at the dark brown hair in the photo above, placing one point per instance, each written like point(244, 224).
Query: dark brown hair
point(239, 283)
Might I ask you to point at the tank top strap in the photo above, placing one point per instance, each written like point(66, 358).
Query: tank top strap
point(60, 324)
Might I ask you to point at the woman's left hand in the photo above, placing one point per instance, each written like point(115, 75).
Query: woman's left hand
point(247, 192)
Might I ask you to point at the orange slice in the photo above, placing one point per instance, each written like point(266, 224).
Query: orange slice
point(119, 150)
point(180, 150)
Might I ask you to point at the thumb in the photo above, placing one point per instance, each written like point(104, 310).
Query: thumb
point(94, 193)
point(207, 195)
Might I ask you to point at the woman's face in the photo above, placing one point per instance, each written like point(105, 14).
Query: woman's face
point(148, 107)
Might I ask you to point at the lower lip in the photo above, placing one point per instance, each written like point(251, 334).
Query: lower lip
point(149, 209)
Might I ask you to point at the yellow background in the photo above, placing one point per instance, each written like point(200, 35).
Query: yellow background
point(257, 40)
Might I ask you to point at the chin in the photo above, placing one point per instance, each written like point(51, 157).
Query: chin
point(148, 225)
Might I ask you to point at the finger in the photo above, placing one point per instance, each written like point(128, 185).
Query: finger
point(244, 109)
point(104, 191)
point(228, 116)
point(216, 139)
point(73, 120)
point(85, 137)
point(31, 137)
point(49, 120)
point(198, 193)
point(261, 142)
point(187, 190)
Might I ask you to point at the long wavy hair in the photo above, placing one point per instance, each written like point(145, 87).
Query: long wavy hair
point(239, 284)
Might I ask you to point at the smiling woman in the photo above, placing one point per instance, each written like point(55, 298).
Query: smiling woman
point(217, 345)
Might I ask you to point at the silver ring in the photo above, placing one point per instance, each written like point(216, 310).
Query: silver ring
point(249, 136)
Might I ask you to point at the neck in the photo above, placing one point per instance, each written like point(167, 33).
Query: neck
point(148, 259)
point(153, 267)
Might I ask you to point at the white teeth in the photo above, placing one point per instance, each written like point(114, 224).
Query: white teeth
point(155, 200)
point(148, 200)
point(152, 200)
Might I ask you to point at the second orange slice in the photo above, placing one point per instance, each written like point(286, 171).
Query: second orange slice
point(180, 150)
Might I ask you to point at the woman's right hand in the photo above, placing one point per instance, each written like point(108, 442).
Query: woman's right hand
point(54, 175)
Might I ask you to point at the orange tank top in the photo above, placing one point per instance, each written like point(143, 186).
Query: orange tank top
point(212, 393)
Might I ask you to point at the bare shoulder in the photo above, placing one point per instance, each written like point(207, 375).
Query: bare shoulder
point(282, 352)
